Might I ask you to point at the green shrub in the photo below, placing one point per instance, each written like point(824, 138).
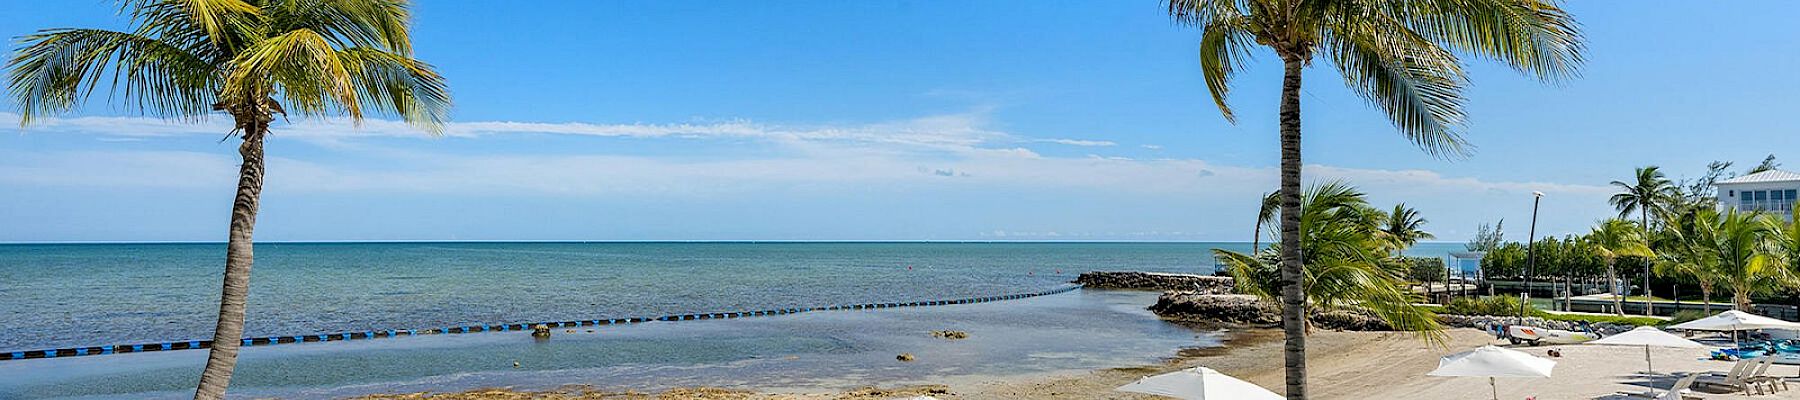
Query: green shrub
point(1509, 306)
point(1497, 305)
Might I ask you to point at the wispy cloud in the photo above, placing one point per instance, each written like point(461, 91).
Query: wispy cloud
point(956, 152)
point(1078, 142)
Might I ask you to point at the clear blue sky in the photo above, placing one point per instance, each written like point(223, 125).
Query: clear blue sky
point(904, 120)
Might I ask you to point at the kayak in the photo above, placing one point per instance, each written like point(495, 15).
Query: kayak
point(1536, 336)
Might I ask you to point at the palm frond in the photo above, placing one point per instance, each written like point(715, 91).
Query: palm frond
point(1532, 36)
point(303, 66)
point(57, 69)
point(396, 84)
point(1417, 84)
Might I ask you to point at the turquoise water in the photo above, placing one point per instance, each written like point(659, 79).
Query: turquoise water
point(100, 294)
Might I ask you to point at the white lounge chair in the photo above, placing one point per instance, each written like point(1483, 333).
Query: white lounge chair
point(1738, 378)
point(1674, 393)
point(1761, 377)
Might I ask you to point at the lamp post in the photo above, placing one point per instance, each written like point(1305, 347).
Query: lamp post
point(1530, 255)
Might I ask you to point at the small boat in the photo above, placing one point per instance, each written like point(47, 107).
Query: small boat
point(1536, 336)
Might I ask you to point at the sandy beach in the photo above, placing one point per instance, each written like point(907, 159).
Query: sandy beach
point(1344, 365)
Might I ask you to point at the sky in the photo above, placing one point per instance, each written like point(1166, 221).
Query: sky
point(893, 120)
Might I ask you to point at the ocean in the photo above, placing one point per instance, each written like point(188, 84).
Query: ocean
point(67, 295)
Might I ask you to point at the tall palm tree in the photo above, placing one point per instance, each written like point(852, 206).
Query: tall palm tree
point(1400, 55)
point(248, 59)
point(1614, 238)
point(1404, 227)
point(1346, 250)
point(1651, 192)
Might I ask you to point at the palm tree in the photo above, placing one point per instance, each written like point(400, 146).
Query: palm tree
point(1614, 238)
point(1270, 204)
point(1347, 252)
point(1740, 244)
point(1683, 241)
point(1651, 192)
point(184, 59)
point(1403, 228)
point(1784, 241)
point(1400, 55)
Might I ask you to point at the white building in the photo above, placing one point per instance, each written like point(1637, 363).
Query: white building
point(1770, 191)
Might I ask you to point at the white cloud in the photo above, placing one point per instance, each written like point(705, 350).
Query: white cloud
point(1077, 142)
point(955, 152)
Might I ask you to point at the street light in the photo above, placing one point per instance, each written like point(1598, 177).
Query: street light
point(1530, 254)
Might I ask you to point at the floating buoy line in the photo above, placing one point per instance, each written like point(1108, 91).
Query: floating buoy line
point(393, 333)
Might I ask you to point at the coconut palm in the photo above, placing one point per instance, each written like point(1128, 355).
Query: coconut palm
point(1346, 257)
point(1400, 55)
point(1403, 227)
point(1740, 242)
point(1784, 241)
point(1265, 213)
point(1684, 253)
point(1651, 192)
point(1614, 238)
point(247, 59)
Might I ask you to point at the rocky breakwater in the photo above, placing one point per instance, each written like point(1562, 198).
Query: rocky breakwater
point(1251, 310)
point(1155, 281)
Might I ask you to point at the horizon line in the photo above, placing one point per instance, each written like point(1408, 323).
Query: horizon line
point(355, 241)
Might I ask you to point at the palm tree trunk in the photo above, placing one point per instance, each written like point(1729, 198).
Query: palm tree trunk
point(1293, 296)
point(238, 257)
point(1706, 299)
point(1612, 285)
point(1649, 304)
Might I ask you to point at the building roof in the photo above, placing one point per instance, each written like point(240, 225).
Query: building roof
point(1773, 175)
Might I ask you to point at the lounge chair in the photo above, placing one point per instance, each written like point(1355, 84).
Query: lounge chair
point(1674, 393)
point(1739, 378)
point(1761, 377)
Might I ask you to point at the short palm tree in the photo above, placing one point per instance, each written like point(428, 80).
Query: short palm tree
point(1684, 242)
point(1400, 55)
point(1614, 238)
point(250, 60)
point(1651, 192)
point(1346, 253)
point(1784, 241)
point(1740, 242)
point(1404, 227)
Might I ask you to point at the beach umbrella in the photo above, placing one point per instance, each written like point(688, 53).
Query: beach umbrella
point(1199, 383)
point(1733, 321)
point(1648, 337)
point(1494, 362)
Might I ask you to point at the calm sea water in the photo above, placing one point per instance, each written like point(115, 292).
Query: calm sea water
point(102, 294)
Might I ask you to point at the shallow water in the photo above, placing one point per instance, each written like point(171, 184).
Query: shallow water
point(104, 294)
point(1081, 330)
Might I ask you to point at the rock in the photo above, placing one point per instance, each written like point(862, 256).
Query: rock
point(1251, 310)
point(905, 357)
point(952, 335)
point(540, 331)
point(1156, 281)
point(1228, 308)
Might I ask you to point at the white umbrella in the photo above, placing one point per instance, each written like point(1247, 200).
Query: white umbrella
point(1492, 362)
point(1648, 337)
point(1199, 383)
point(1733, 321)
